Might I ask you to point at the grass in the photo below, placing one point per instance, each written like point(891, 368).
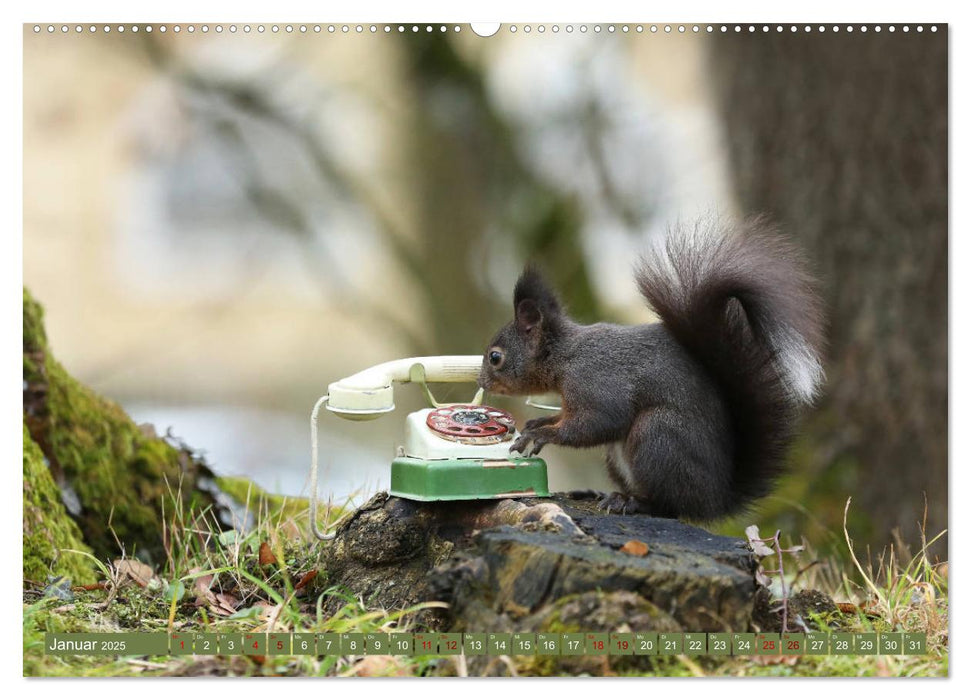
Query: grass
point(898, 592)
point(266, 580)
point(271, 579)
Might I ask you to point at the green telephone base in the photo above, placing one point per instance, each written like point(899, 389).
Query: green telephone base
point(468, 479)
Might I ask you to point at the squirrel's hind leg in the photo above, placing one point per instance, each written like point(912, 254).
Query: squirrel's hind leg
point(619, 470)
point(675, 470)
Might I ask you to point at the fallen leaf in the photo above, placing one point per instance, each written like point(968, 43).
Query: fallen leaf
point(305, 579)
point(134, 570)
point(201, 585)
point(100, 586)
point(266, 555)
point(868, 608)
point(635, 548)
point(228, 600)
point(224, 605)
point(204, 596)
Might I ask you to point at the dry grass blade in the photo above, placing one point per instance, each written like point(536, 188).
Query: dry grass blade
point(856, 562)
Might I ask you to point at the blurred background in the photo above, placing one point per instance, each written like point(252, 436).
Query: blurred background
point(220, 224)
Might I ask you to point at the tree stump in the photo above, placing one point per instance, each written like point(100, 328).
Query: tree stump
point(534, 565)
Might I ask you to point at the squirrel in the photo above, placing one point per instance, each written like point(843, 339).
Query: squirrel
point(696, 410)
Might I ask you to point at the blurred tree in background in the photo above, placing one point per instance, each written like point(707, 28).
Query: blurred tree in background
point(473, 190)
point(842, 138)
point(470, 188)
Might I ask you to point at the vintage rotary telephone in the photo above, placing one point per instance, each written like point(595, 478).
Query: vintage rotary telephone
point(452, 452)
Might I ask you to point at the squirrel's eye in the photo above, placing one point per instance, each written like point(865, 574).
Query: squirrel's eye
point(495, 357)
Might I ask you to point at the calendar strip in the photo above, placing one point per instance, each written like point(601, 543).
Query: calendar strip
point(489, 644)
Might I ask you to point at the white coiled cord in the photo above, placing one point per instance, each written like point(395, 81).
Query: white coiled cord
point(313, 479)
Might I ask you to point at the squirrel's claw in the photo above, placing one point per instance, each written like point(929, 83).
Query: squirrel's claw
point(522, 442)
point(621, 503)
point(537, 446)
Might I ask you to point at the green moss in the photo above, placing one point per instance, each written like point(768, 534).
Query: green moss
point(48, 530)
point(245, 492)
point(123, 478)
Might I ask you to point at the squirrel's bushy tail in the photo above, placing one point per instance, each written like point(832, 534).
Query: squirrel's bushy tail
point(739, 298)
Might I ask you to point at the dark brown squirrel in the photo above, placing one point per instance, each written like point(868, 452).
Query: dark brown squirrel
point(697, 410)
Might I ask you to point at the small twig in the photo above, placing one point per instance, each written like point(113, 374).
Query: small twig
point(111, 585)
point(782, 582)
point(761, 549)
point(804, 569)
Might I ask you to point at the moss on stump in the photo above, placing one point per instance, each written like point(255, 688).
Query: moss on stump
point(118, 478)
point(256, 500)
point(48, 530)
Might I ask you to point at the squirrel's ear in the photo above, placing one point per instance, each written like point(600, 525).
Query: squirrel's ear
point(532, 287)
point(528, 316)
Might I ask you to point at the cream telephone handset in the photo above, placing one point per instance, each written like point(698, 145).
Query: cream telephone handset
point(451, 451)
point(368, 394)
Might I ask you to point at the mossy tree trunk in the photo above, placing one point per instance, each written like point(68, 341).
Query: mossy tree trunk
point(116, 480)
point(48, 530)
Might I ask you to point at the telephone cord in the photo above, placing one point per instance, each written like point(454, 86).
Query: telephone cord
point(313, 479)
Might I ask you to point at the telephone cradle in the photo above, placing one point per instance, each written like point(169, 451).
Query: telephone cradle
point(461, 452)
point(451, 452)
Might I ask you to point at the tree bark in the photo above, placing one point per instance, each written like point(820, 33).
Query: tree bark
point(842, 138)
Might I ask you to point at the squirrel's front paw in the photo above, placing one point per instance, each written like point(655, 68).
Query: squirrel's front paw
point(522, 443)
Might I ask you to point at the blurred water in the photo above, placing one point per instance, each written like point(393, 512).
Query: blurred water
point(273, 447)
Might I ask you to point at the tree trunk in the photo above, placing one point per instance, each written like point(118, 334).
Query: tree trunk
point(842, 138)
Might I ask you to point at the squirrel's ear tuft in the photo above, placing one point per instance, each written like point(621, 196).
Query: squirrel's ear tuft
point(532, 287)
